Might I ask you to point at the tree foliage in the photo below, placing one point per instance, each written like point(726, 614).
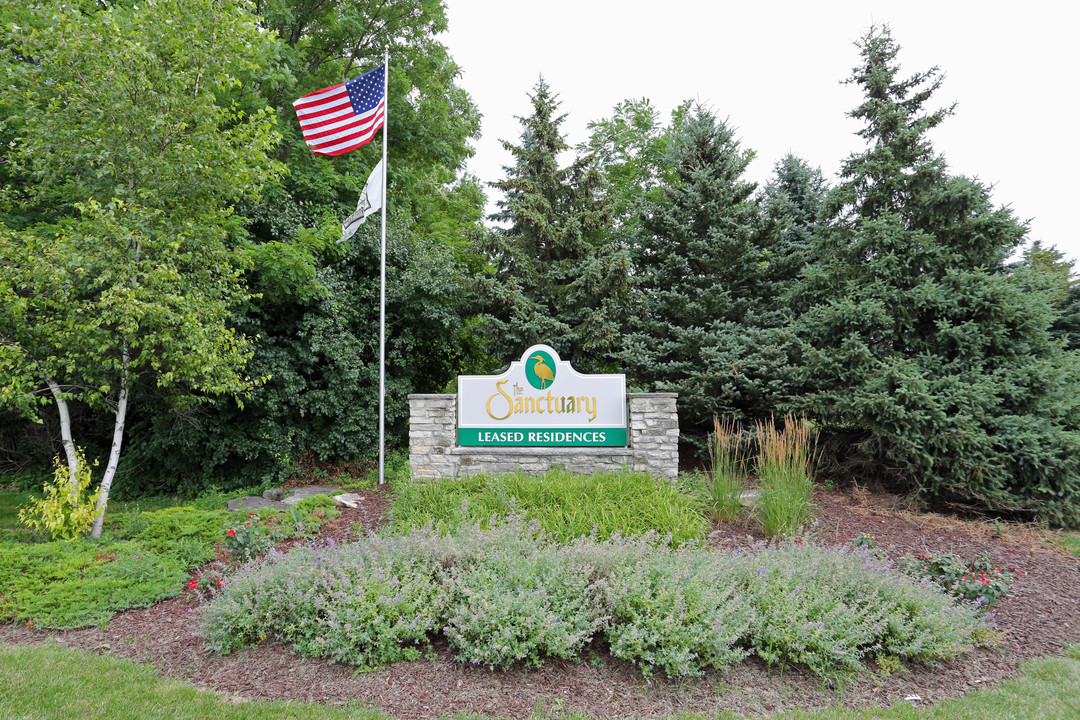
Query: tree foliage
point(704, 319)
point(130, 278)
point(920, 340)
point(554, 278)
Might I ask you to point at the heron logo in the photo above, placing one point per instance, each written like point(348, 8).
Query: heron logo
point(540, 370)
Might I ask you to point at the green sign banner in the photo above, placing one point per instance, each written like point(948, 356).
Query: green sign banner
point(523, 437)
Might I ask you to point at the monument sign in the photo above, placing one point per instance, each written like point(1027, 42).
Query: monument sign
point(542, 401)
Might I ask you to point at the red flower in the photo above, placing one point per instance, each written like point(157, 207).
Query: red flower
point(798, 542)
point(193, 584)
point(251, 514)
point(247, 524)
point(231, 533)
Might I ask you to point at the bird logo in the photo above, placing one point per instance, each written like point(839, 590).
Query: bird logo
point(541, 374)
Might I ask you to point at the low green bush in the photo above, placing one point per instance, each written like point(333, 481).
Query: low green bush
point(521, 603)
point(507, 593)
point(678, 612)
point(827, 608)
point(567, 505)
point(365, 604)
point(185, 533)
point(63, 585)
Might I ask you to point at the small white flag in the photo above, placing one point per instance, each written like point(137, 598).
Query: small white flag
point(371, 200)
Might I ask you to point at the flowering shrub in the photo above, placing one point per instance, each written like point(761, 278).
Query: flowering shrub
point(207, 586)
point(519, 604)
point(828, 608)
point(679, 612)
point(507, 593)
point(248, 539)
point(980, 580)
point(363, 604)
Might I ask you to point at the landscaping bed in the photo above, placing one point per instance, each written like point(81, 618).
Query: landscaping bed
point(1039, 616)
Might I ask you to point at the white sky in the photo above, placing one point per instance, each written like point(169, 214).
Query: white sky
point(773, 68)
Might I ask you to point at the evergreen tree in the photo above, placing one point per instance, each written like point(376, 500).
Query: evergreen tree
point(921, 341)
point(794, 199)
point(704, 321)
point(554, 278)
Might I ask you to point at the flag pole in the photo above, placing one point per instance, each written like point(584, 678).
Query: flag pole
point(382, 278)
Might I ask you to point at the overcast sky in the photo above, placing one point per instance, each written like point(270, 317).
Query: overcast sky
point(774, 70)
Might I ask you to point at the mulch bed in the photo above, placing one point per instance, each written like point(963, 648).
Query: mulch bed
point(1039, 616)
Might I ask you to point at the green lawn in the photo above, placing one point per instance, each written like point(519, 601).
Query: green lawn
point(50, 682)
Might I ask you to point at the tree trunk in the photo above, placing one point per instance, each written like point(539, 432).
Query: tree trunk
point(114, 453)
point(65, 432)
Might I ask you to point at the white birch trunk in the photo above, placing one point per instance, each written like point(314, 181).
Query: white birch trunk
point(65, 432)
point(114, 453)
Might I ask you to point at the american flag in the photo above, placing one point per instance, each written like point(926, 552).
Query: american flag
point(341, 118)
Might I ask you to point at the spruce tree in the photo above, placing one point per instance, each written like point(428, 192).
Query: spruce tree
point(554, 278)
point(704, 321)
point(922, 343)
point(794, 199)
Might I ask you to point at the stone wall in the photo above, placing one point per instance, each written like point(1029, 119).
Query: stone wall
point(434, 452)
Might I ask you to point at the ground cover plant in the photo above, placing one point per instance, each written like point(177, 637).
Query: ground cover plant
point(145, 556)
point(979, 580)
point(506, 591)
point(565, 504)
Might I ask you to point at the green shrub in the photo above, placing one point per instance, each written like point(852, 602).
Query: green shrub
point(310, 513)
point(67, 511)
point(248, 538)
point(506, 593)
point(521, 603)
point(828, 608)
point(785, 476)
point(679, 612)
point(365, 604)
point(979, 580)
point(567, 505)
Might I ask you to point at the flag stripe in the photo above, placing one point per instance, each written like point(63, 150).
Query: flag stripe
point(345, 144)
point(342, 125)
point(341, 118)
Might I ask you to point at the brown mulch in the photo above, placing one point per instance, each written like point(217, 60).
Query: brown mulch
point(1039, 616)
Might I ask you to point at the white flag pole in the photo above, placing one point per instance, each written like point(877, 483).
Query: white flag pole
point(382, 279)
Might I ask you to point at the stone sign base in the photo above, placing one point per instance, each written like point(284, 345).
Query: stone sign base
point(434, 452)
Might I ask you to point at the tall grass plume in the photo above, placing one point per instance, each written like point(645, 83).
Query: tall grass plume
point(785, 462)
point(726, 481)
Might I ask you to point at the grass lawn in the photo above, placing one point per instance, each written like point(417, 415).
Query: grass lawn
point(49, 682)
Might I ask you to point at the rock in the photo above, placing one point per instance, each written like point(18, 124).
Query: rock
point(295, 495)
point(276, 494)
point(254, 502)
point(350, 500)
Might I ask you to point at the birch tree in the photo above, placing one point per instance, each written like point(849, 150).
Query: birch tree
point(130, 134)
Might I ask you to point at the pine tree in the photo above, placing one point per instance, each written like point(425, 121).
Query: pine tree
point(554, 278)
point(922, 342)
point(794, 199)
point(704, 322)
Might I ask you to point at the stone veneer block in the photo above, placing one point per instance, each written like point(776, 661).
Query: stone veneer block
point(653, 443)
